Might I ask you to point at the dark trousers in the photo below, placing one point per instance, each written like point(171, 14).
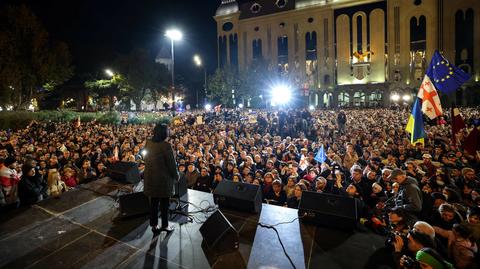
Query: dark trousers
point(164, 205)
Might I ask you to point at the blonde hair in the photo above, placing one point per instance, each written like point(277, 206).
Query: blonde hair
point(52, 176)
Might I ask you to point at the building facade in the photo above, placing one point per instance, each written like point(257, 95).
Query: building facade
point(352, 52)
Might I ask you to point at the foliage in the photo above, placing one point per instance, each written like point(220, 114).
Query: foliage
point(20, 119)
point(249, 84)
point(253, 82)
point(221, 84)
point(104, 88)
point(138, 74)
point(148, 118)
point(30, 63)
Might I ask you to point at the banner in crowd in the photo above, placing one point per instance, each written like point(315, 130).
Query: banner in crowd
point(415, 124)
point(321, 157)
point(445, 76)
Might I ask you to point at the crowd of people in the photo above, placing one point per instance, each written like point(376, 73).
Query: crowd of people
point(425, 198)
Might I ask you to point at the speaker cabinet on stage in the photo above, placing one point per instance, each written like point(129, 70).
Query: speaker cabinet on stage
point(240, 196)
point(219, 235)
point(133, 204)
point(124, 172)
point(180, 187)
point(330, 210)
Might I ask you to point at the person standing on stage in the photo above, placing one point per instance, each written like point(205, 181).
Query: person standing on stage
point(160, 176)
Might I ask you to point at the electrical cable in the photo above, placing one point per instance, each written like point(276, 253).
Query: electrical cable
point(281, 243)
point(272, 226)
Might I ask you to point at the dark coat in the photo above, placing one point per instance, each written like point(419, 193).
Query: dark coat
point(30, 189)
point(160, 172)
point(409, 196)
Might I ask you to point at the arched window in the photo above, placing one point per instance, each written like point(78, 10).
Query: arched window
point(326, 79)
point(359, 33)
point(233, 50)
point(343, 99)
point(464, 39)
point(418, 34)
point(359, 99)
point(222, 49)
point(310, 52)
point(282, 45)
point(257, 49)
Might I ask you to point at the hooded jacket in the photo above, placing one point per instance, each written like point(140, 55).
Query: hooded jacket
point(409, 196)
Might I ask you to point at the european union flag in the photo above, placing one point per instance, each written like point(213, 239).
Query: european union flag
point(445, 76)
point(321, 157)
point(415, 124)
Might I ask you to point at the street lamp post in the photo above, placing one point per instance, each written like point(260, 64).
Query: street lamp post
point(174, 35)
point(198, 62)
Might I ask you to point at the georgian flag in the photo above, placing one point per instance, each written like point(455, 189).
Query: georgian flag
point(431, 105)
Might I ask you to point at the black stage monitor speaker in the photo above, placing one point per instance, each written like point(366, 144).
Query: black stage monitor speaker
point(218, 234)
point(124, 172)
point(180, 187)
point(134, 204)
point(329, 210)
point(240, 196)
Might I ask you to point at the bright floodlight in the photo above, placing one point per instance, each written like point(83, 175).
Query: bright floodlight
point(109, 72)
point(406, 98)
point(311, 107)
point(208, 106)
point(240, 105)
point(281, 95)
point(395, 97)
point(174, 34)
point(197, 60)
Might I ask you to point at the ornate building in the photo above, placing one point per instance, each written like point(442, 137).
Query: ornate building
point(351, 52)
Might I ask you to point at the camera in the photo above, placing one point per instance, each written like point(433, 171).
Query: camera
point(390, 241)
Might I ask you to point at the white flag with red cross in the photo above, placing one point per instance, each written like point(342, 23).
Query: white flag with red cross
point(431, 105)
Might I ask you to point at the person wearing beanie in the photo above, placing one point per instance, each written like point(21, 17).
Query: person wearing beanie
point(32, 188)
point(429, 259)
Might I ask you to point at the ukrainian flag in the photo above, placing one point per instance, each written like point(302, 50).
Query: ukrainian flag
point(415, 124)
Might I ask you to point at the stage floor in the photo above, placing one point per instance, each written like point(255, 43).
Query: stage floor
point(82, 229)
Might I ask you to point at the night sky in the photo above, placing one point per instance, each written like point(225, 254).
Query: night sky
point(97, 30)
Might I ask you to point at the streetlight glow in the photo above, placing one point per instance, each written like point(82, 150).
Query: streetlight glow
point(395, 97)
point(109, 72)
point(197, 60)
point(406, 98)
point(208, 107)
point(174, 34)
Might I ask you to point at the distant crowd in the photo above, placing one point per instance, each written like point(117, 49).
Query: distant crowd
point(424, 197)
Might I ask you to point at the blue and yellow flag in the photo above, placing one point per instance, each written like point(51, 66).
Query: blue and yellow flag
point(445, 76)
point(415, 124)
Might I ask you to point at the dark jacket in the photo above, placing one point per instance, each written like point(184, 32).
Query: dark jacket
point(273, 199)
point(409, 196)
point(160, 170)
point(31, 189)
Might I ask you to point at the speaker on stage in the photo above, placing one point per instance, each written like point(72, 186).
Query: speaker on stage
point(329, 210)
point(219, 236)
point(124, 172)
point(180, 188)
point(240, 196)
point(134, 204)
